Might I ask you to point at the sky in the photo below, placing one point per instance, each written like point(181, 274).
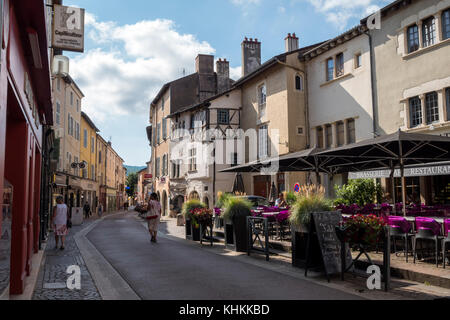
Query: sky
point(133, 47)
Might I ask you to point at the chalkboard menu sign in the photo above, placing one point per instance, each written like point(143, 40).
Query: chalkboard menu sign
point(323, 226)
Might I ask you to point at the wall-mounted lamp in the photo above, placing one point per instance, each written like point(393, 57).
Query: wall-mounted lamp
point(33, 37)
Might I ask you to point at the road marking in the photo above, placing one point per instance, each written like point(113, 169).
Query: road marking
point(55, 285)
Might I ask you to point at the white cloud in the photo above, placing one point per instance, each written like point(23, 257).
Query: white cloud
point(131, 63)
point(339, 12)
point(281, 9)
point(235, 73)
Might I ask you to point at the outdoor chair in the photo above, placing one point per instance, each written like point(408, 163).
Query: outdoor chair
point(446, 240)
point(428, 229)
point(400, 228)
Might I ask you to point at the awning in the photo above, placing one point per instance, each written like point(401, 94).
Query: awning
point(432, 169)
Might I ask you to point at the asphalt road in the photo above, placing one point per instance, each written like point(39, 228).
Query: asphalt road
point(173, 270)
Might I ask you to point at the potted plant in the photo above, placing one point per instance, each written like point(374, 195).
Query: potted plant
point(192, 228)
point(235, 218)
point(310, 199)
point(361, 231)
point(222, 198)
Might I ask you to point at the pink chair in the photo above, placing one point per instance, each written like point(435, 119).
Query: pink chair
point(400, 228)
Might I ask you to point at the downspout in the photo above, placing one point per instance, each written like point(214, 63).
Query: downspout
point(372, 83)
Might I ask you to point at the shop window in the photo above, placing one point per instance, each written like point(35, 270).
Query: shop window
point(431, 106)
point(429, 32)
point(413, 38)
point(415, 111)
point(412, 190)
point(446, 24)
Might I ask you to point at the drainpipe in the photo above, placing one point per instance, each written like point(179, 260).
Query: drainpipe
point(372, 83)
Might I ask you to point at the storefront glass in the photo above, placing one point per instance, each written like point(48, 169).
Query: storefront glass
point(412, 190)
point(441, 190)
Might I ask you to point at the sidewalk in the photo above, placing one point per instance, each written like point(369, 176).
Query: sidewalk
point(281, 261)
point(51, 283)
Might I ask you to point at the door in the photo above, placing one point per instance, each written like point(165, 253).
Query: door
point(261, 186)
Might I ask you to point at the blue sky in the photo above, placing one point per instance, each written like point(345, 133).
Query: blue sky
point(133, 47)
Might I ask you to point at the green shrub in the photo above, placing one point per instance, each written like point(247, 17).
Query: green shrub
point(189, 205)
point(235, 206)
point(307, 204)
point(359, 191)
point(290, 197)
point(222, 198)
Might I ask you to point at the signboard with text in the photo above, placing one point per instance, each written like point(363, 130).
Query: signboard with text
point(68, 28)
point(432, 170)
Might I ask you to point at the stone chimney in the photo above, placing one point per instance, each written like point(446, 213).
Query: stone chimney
point(251, 55)
point(291, 42)
point(204, 64)
point(223, 75)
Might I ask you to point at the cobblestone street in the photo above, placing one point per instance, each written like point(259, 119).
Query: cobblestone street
point(51, 283)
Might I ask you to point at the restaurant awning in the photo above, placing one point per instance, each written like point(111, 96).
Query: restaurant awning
point(432, 169)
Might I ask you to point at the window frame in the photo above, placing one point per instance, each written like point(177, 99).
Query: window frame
point(299, 83)
point(57, 112)
point(319, 137)
point(329, 70)
point(432, 111)
point(263, 141)
point(447, 102)
point(85, 138)
point(445, 24)
point(329, 136)
point(262, 100)
point(413, 44)
point(351, 128)
point(221, 114)
point(415, 112)
point(339, 65)
point(340, 130)
point(192, 159)
point(429, 31)
point(358, 60)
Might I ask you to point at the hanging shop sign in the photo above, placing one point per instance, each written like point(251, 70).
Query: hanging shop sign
point(68, 28)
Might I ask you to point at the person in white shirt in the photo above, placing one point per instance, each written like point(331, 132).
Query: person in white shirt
point(153, 216)
point(59, 221)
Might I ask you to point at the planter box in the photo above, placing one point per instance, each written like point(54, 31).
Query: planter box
point(188, 230)
point(299, 244)
point(236, 234)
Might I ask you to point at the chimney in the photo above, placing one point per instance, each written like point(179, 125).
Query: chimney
point(223, 75)
point(251, 55)
point(291, 42)
point(204, 64)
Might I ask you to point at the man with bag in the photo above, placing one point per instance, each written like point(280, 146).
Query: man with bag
point(153, 216)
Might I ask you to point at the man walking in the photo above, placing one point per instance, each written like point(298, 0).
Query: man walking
point(87, 210)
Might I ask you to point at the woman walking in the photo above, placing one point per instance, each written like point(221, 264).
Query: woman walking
point(59, 221)
point(153, 216)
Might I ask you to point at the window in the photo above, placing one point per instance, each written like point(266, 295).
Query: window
point(157, 167)
point(415, 111)
point(223, 116)
point(162, 103)
point(299, 83)
point(78, 132)
point(413, 38)
point(431, 107)
point(329, 135)
point(75, 159)
point(100, 156)
point(68, 123)
point(263, 142)
point(158, 129)
point(58, 113)
point(358, 60)
point(85, 139)
point(164, 129)
point(340, 134)
point(446, 24)
point(447, 94)
point(234, 159)
point(429, 32)
point(58, 84)
point(78, 105)
point(319, 143)
point(92, 145)
point(340, 64)
point(330, 69)
point(92, 172)
point(351, 131)
point(262, 98)
point(71, 98)
point(164, 165)
point(192, 160)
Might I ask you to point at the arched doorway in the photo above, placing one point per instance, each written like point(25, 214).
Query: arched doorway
point(194, 195)
point(164, 203)
point(178, 203)
point(159, 196)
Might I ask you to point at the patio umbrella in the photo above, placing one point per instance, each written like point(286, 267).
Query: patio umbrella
point(238, 185)
point(389, 151)
point(273, 193)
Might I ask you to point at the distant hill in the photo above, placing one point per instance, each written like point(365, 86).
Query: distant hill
point(134, 169)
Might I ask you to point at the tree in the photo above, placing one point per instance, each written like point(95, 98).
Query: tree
point(359, 191)
point(132, 181)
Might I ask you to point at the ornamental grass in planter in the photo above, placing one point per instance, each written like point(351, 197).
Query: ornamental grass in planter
point(235, 217)
point(310, 199)
point(192, 227)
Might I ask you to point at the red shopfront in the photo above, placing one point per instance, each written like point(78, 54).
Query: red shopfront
point(25, 104)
